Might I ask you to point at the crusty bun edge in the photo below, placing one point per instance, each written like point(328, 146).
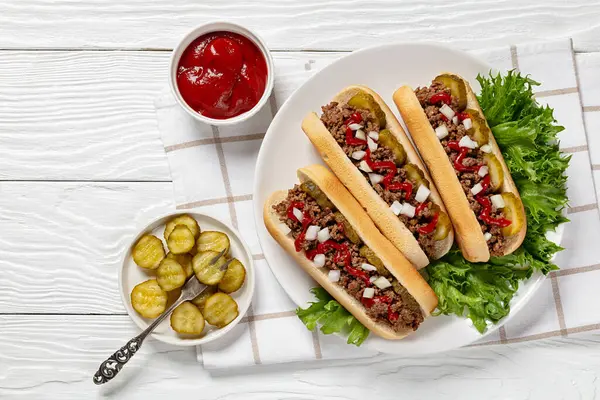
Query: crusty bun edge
point(394, 261)
point(468, 232)
point(390, 225)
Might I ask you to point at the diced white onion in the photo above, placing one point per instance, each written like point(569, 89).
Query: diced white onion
point(441, 131)
point(396, 207)
point(319, 260)
point(486, 148)
point(298, 214)
point(311, 232)
point(408, 210)
point(323, 235)
point(466, 141)
point(487, 236)
point(375, 178)
point(368, 267)
point(483, 171)
point(360, 134)
point(374, 135)
point(334, 275)
point(364, 166)
point(455, 120)
point(372, 144)
point(373, 279)
point(447, 111)
point(476, 189)
point(284, 229)
point(368, 293)
point(468, 123)
point(358, 155)
point(497, 201)
point(422, 193)
point(355, 126)
point(382, 283)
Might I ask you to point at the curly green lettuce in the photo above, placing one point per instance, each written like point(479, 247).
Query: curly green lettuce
point(332, 317)
point(527, 135)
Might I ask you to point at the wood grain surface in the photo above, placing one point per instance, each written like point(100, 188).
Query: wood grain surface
point(61, 243)
point(81, 115)
point(291, 24)
point(47, 357)
point(81, 165)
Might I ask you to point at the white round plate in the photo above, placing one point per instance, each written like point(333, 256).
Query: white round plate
point(286, 148)
point(130, 275)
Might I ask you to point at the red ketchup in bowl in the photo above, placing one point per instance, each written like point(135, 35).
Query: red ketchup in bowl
point(222, 75)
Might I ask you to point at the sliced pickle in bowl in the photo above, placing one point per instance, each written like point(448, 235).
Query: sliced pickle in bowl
point(185, 260)
point(186, 220)
point(220, 309)
point(514, 212)
point(148, 252)
point(234, 277)
point(416, 176)
point(457, 87)
point(181, 240)
point(187, 319)
point(200, 300)
point(148, 299)
point(212, 241)
point(317, 194)
point(170, 275)
point(495, 170)
point(349, 231)
point(207, 273)
point(363, 100)
point(387, 139)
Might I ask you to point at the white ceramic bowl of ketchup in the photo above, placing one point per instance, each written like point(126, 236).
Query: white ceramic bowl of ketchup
point(211, 27)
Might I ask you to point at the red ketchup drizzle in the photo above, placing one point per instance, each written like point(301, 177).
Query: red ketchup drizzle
point(222, 74)
point(420, 208)
point(462, 153)
point(305, 223)
point(391, 315)
point(441, 97)
point(486, 204)
point(462, 116)
point(430, 227)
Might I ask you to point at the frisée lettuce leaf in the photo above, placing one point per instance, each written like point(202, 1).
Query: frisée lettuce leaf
point(332, 317)
point(527, 135)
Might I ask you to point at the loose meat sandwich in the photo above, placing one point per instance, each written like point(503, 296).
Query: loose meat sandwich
point(331, 237)
point(453, 138)
point(365, 146)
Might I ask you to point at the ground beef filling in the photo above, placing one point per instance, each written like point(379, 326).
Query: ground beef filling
point(334, 117)
point(497, 243)
point(393, 306)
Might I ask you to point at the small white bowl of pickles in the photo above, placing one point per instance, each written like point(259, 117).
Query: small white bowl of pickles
point(166, 253)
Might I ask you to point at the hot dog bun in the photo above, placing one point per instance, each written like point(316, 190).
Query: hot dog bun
point(468, 231)
point(393, 260)
point(379, 211)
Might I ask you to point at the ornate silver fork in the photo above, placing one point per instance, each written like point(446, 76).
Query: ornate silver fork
point(111, 366)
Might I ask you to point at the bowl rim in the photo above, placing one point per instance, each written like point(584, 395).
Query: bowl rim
point(139, 322)
point(217, 26)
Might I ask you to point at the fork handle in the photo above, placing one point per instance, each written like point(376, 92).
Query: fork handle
point(113, 364)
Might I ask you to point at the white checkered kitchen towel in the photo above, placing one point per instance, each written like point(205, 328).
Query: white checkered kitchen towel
point(212, 170)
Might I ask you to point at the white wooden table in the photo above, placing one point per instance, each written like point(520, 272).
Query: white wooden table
point(81, 160)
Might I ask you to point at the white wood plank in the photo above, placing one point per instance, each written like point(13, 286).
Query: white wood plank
point(289, 24)
point(61, 243)
point(74, 115)
point(55, 356)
